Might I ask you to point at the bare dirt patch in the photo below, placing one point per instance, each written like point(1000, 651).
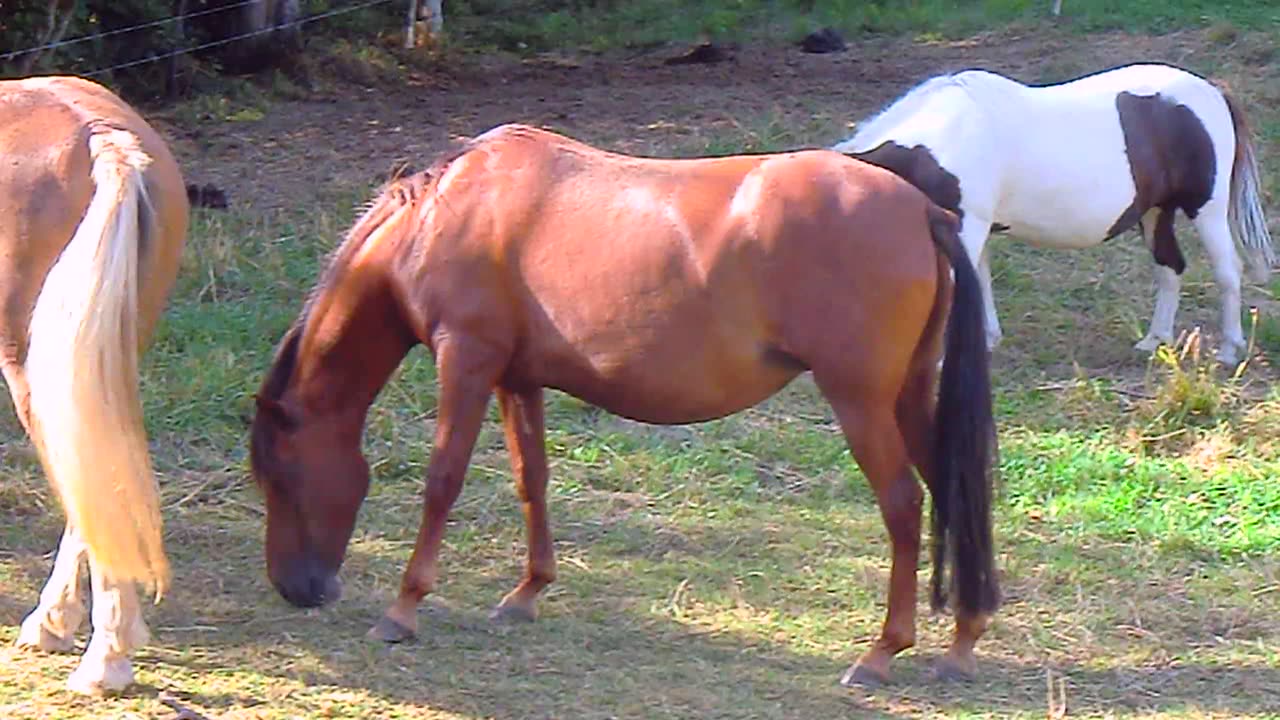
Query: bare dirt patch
point(330, 150)
point(348, 135)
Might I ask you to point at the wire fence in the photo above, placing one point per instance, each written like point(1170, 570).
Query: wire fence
point(195, 48)
point(120, 31)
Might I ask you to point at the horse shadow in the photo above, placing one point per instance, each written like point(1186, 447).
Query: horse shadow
point(605, 646)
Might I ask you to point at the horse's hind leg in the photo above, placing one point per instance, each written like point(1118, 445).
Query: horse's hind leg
point(1215, 233)
point(871, 430)
point(523, 424)
point(53, 624)
point(1157, 230)
point(118, 628)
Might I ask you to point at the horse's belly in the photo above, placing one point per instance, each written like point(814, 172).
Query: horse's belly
point(1067, 207)
point(1067, 179)
point(1068, 226)
point(691, 384)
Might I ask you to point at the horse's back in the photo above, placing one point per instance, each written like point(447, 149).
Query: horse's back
point(1066, 176)
point(46, 124)
point(699, 286)
point(1138, 78)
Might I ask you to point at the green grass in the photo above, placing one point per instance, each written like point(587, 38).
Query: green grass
point(727, 570)
point(528, 25)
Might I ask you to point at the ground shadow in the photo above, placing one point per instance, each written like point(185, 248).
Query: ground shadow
point(601, 651)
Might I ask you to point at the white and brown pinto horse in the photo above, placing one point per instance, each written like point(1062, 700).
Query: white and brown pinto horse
point(93, 217)
point(1073, 164)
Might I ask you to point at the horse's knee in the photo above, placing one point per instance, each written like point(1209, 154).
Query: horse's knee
point(1228, 279)
point(901, 505)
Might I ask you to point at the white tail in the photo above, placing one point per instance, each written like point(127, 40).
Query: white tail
point(1248, 221)
point(82, 366)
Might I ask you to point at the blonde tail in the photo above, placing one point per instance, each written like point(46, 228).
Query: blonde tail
point(82, 366)
point(1248, 222)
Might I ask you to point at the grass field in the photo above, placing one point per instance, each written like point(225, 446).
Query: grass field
point(726, 570)
point(527, 24)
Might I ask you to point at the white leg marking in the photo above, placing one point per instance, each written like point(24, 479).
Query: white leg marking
point(1215, 233)
point(973, 234)
point(118, 628)
point(1168, 290)
point(52, 626)
point(437, 16)
point(994, 334)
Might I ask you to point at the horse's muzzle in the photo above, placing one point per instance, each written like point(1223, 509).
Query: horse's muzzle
point(309, 587)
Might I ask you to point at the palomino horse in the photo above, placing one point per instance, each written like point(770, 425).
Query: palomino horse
point(1073, 164)
point(666, 291)
point(93, 216)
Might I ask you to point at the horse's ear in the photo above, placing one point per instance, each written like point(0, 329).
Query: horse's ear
point(277, 412)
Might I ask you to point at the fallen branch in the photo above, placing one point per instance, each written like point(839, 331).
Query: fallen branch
point(1060, 386)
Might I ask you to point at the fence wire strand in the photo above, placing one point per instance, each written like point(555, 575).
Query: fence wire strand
point(119, 31)
point(203, 46)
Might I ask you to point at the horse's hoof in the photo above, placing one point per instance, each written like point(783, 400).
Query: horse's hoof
point(98, 677)
point(1230, 356)
point(390, 631)
point(861, 675)
point(35, 636)
point(1150, 343)
point(948, 670)
point(513, 614)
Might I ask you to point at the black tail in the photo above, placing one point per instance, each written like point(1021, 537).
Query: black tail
point(965, 442)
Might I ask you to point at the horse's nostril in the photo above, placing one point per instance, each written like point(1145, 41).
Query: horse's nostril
point(315, 589)
point(301, 592)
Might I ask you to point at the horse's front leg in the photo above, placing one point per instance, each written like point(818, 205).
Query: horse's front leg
point(974, 233)
point(118, 628)
point(467, 371)
point(523, 425)
point(52, 625)
point(435, 9)
point(1157, 231)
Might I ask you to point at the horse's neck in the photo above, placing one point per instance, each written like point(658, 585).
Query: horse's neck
point(929, 112)
point(904, 108)
point(354, 338)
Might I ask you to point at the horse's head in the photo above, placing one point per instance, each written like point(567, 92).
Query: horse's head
point(314, 478)
point(307, 427)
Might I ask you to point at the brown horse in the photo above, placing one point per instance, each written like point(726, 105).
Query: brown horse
point(93, 217)
point(667, 291)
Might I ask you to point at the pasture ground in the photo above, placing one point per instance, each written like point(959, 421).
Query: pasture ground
point(727, 570)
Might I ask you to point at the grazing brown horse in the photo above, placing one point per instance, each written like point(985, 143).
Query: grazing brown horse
point(93, 217)
point(667, 291)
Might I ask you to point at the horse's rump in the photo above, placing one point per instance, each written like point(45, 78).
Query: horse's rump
point(94, 219)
